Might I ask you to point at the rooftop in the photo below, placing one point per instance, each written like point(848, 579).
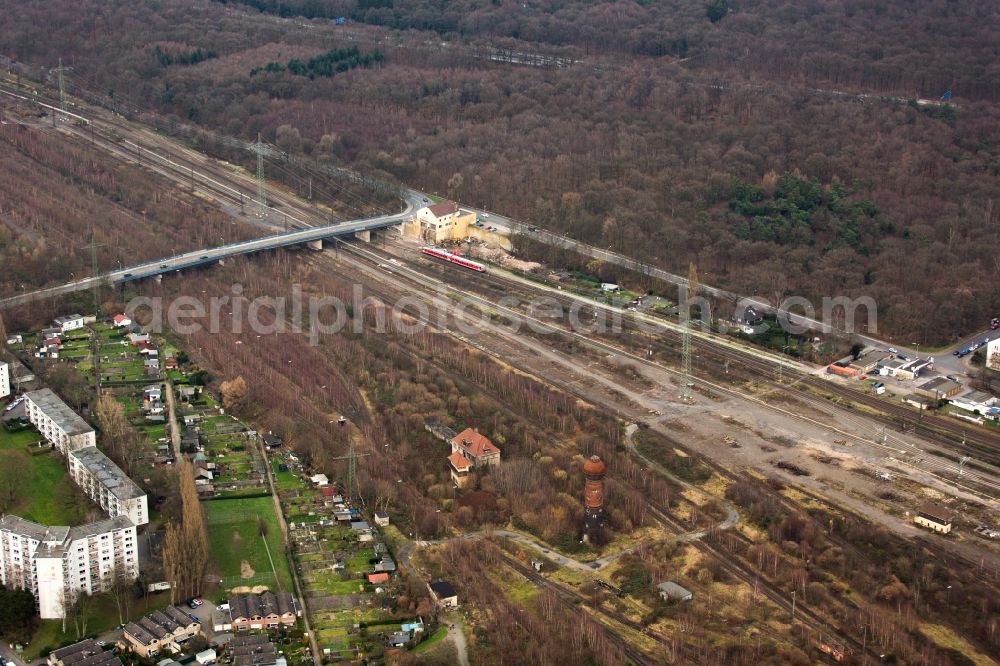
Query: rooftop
point(673, 590)
point(442, 589)
point(935, 512)
point(85, 653)
point(942, 384)
point(26, 528)
point(477, 445)
point(52, 405)
point(109, 474)
point(100, 527)
point(459, 462)
point(261, 605)
point(443, 208)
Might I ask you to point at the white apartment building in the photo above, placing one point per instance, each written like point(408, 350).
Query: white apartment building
point(56, 563)
point(105, 483)
point(4, 379)
point(59, 424)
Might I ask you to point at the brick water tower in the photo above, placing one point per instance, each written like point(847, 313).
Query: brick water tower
point(593, 496)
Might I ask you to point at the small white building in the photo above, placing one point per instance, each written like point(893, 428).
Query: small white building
point(4, 379)
point(610, 287)
point(671, 590)
point(320, 479)
point(206, 657)
point(69, 322)
point(121, 320)
point(443, 593)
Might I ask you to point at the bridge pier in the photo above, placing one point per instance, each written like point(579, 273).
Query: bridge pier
point(366, 236)
point(315, 245)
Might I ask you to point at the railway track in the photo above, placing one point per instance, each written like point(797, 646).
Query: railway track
point(891, 445)
point(736, 568)
point(571, 599)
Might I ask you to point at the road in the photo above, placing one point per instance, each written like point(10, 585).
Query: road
point(211, 255)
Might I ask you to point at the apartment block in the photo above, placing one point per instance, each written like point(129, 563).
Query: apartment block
point(57, 563)
point(105, 483)
point(59, 424)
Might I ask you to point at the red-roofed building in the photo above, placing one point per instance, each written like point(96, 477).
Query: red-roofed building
point(475, 448)
point(121, 320)
point(377, 578)
point(328, 491)
point(459, 469)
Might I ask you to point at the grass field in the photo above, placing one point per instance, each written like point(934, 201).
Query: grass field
point(39, 474)
point(233, 537)
point(434, 639)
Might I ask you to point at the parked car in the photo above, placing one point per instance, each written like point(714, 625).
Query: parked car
point(994, 323)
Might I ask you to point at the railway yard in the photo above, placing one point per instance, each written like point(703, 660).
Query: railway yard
point(835, 454)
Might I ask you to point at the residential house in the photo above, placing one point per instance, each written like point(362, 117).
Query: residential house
point(672, 591)
point(160, 631)
point(398, 639)
point(443, 592)
point(476, 448)
point(252, 650)
point(261, 611)
point(85, 653)
point(460, 468)
point(121, 320)
point(187, 393)
point(4, 379)
point(934, 516)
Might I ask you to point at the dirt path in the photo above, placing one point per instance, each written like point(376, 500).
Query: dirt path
point(456, 635)
point(175, 433)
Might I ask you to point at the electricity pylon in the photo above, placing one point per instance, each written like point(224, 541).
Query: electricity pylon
point(685, 322)
point(62, 89)
point(260, 149)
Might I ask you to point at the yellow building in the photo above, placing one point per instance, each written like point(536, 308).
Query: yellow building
point(933, 517)
point(444, 221)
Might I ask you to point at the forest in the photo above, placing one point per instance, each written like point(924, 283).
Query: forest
point(626, 146)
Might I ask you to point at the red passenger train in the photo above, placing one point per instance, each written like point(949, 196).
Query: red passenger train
point(459, 260)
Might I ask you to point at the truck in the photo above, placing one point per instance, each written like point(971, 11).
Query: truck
point(159, 587)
